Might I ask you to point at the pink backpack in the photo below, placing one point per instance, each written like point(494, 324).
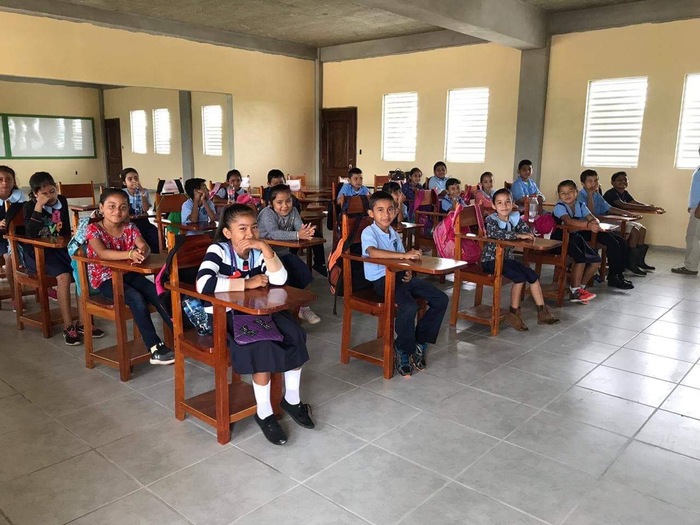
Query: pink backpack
point(444, 237)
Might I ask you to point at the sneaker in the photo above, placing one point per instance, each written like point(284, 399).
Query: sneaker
point(321, 268)
point(684, 271)
point(70, 335)
point(53, 295)
point(402, 361)
point(96, 332)
point(309, 316)
point(581, 296)
point(161, 355)
point(299, 413)
point(418, 356)
point(272, 430)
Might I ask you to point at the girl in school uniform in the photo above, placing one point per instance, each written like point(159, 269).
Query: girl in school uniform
point(280, 221)
point(410, 189)
point(9, 194)
point(484, 194)
point(232, 190)
point(139, 204)
point(114, 238)
point(46, 215)
point(238, 260)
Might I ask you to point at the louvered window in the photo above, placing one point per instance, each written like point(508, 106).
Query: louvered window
point(161, 131)
point(77, 128)
point(613, 126)
point(138, 131)
point(212, 130)
point(467, 117)
point(400, 126)
point(689, 132)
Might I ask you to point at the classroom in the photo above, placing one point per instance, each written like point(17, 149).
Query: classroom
point(366, 262)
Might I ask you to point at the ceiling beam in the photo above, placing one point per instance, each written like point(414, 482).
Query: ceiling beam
point(156, 26)
point(511, 23)
point(642, 12)
point(396, 45)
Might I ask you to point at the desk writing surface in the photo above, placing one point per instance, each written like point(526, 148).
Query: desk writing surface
point(619, 218)
point(150, 266)
point(539, 244)
point(84, 207)
point(198, 226)
point(301, 243)
point(43, 242)
point(427, 265)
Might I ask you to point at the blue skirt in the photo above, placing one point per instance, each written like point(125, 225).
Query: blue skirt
point(57, 261)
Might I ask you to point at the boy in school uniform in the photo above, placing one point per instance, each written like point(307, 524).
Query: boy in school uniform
point(453, 196)
point(380, 240)
point(523, 185)
point(199, 207)
point(354, 188)
point(274, 178)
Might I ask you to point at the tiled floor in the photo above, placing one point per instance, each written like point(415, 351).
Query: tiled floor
point(592, 421)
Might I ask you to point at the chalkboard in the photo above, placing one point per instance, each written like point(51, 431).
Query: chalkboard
point(45, 137)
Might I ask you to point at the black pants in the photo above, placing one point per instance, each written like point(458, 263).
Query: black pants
point(617, 249)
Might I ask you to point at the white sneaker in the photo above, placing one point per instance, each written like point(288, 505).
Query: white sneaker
point(309, 316)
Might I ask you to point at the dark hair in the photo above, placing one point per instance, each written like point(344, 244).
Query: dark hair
point(612, 179)
point(193, 184)
point(452, 182)
point(438, 164)
point(379, 196)
point(109, 192)
point(484, 175)
point(10, 171)
point(524, 162)
point(391, 187)
point(229, 214)
point(414, 170)
point(123, 173)
point(273, 174)
point(276, 190)
point(354, 171)
point(587, 173)
point(501, 191)
point(567, 182)
point(231, 173)
point(39, 180)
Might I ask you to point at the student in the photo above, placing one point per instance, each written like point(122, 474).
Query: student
point(114, 238)
point(523, 185)
point(9, 194)
point(506, 224)
point(140, 203)
point(198, 208)
point(354, 188)
point(239, 261)
point(46, 214)
point(439, 179)
point(619, 197)
point(234, 179)
point(394, 189)
point(484, 194)
point(616, 244)
point(280, 221)
point(571, 212)
point(453, 196)
point(410, 189)
point(380, 240)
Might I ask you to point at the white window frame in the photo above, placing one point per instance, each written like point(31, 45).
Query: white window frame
point(399, 126)
point(213, 130)
point(162, 131)
point(688, 140)
point(466, 125)
point(138, 120)
point(613, 123)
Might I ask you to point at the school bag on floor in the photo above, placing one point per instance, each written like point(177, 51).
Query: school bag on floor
point(444, 237)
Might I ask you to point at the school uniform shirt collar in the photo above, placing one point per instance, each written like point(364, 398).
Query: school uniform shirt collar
point(513, 220)
point(390, 236)
point(55, 207)
point(14, 197)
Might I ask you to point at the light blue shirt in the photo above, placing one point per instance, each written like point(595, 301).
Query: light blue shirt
point(694, 198)
point(600, 206)
point(437, 183)
point(523, 188)
point(374, 237)
point(135, 203)
point(580, 210)
point(348, 191)
point(201, 213)
point(446, 203)
point(16, 196)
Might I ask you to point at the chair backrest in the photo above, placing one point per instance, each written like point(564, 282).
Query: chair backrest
point(84, 190)
point(508, 185)
point(190, 253)
point(380, 180)
point(168, 186)
point(169, 203)
point(429, 198)
point(355, 205)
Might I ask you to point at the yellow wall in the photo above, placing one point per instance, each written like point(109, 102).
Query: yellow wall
point(206, 166)
point(362, 83)
point(273, 95)
point(43, 99)
point(662, 52)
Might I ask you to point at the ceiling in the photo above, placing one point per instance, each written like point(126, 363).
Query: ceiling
point(569, 5)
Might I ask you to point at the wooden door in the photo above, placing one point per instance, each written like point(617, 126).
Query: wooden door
point(338, 143)
point(113, 143)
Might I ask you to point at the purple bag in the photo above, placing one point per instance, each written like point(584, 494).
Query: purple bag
point(253, 328)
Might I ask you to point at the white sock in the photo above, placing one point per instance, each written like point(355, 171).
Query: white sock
point(583, 287)
point(292, 380)
point(304, 309)
point(262, 398)
point(574, 288)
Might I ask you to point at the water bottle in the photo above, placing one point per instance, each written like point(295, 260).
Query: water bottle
point(231, 195)
point(533, 207)
point(138, 203)
point(198, 317)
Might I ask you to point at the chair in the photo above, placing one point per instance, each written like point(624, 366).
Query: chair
point(429, 207)
point(83, 190)
point(24, 279)
point(164, 205)
point(380, 180)
point(228, 402)
point(470, 218)
point(508, 185)
point(559, 260)
point(353, 206)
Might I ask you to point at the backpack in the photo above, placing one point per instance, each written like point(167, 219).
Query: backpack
point(444, 237)
point(544, 224)
point(215, 190)
point(77, 243)
point(425, 220)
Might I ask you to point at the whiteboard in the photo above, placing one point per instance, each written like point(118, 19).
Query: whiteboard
point(33, 136)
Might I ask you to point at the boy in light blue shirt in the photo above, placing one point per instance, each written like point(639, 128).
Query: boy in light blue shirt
point(523, 185)
point(381, 241)
point(199, 207)
point(354, 188)
point(452, 198)
point(438, 182)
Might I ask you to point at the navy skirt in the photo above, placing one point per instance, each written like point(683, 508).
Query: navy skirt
point(57, 261)
point(298, 274)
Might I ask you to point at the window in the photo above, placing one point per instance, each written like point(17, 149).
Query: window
point(400, 126)
point(467, 116)
point(161, 131)
point(613, 126)
point(689, 132)
point(212, 130)
point(138, 131)
point(77, 127)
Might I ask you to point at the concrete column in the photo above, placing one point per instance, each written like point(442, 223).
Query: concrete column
point(101, 136)
point(532, 100)
point(186, 134)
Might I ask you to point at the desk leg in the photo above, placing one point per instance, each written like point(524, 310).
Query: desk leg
point(223, 410)
point(389, 293)
point(120, 322)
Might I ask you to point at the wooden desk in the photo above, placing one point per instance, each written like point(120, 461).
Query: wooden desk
point(381, 350)
point(539, 244)
point(619, 220)
point(300, 244)
point(198, 226)
point(407, 231)
point(125, 354)
point(77, 209)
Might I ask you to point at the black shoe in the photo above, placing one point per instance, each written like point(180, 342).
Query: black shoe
point(418, 356)
point(299, 413)
point(636, 270)
point(161, 355)
point(272, 430)
point(96, 332)
point(402, 361)
point(642, 262)
point(70, 335)
point(321, 268)
point(617, 281)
